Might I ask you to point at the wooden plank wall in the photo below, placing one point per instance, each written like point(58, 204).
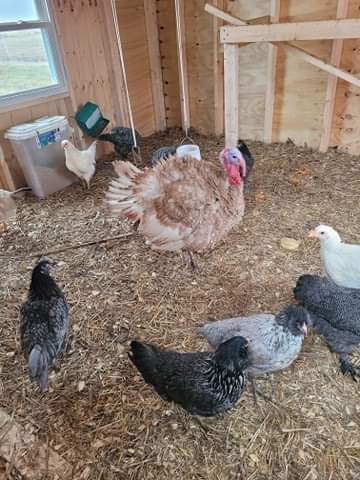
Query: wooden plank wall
point(346, 124)
point(131, 17)
point(252, 72)
point(300, 87)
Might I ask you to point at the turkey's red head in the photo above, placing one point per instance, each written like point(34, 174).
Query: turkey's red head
point(234, 165)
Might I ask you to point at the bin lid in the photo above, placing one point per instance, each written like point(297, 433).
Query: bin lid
point(25, 131)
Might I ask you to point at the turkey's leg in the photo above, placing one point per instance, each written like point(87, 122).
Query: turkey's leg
point(190, 260)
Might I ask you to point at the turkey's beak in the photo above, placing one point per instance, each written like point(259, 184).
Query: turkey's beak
point(305, 330)
point(313, 234)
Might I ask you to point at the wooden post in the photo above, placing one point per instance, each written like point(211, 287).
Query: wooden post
point(335, 59)
point(271, 76)
point(155, 63)
point(231, 94)
point(182, 66)
point(218, 76)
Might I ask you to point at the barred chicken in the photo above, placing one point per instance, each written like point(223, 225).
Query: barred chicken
point(203, 383)
point(181, 203)
point(334, 315)
point(81, 163)
point(44, 321)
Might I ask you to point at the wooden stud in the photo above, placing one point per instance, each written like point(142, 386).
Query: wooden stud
point(181, 53)
point(271, 76)
point(218, 76)
point(155, 63)
point(319, 30)
point(335, 59)
point(231, 88)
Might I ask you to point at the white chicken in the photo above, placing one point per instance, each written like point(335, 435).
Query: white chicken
point(81, 163)
point(340, 261)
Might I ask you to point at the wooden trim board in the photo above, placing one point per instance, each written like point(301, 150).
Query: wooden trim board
point(231, 87)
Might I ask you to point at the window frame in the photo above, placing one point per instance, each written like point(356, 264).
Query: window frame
point(46, 25)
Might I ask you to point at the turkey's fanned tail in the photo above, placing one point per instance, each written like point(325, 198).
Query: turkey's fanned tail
point(121, 198)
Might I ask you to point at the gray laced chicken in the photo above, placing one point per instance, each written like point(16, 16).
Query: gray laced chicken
point(334, 315)
point(275, 341)
point(44, 321)
point(203, 383)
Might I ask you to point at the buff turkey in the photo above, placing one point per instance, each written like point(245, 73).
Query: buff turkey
point(181, 204)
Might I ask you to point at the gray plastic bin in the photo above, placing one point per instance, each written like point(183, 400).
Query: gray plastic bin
point(37, 146)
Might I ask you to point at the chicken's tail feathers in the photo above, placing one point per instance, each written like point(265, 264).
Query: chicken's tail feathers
point(38, 363)
point(120, 197)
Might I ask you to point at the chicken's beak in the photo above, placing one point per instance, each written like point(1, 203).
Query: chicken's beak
point(313, 234)
point(305, 330)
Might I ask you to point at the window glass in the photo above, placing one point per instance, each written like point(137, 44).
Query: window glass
point(16, 10)
point(25, 62)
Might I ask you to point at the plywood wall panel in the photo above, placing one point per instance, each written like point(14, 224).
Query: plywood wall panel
point(131, 17)
point(301, 87)
point(346, 123)
point(252, 72)
point(169, 63)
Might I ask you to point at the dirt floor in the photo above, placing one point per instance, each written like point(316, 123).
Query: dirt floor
point(99, 415)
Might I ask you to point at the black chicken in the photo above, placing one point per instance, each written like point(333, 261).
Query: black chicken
point(43, 323)
point(203, 383)
point(122, 139)
point(249, 160)
point(334, 314)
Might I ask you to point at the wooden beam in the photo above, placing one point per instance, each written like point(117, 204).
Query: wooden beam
point(319, 30)
point(298, 52)
point(335, 59)
point(155, 63)
point(182, 66)
point(226, 17)
point(318, 62)
point(271, 76)
point(231, 88)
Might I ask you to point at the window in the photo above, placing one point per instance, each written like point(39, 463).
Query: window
point(30, 61)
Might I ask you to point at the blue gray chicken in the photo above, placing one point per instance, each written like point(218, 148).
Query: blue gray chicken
point(203, 383)
point(44, 321)
point(275, 341)
point(163, 153)
point(334, 315)
point(122, 139)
